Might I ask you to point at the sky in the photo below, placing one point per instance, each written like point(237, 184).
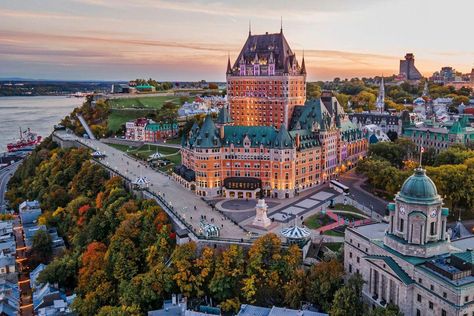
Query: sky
point(177, 40)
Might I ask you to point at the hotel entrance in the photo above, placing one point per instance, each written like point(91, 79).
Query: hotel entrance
point(242, 188)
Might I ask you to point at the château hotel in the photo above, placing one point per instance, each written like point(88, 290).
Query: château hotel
point(270, 141)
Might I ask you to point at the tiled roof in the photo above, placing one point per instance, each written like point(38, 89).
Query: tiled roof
point(160, 127)
point(208, 136)
point(283, 139)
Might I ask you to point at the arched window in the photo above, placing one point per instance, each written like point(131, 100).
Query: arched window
point(401, 225)
point(433, 228)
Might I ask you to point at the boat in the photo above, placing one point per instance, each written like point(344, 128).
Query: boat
point(27, 142)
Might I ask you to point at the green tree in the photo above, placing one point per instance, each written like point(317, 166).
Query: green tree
point(323, 280)
point(389, 310)
point(42, 247)
point(348, 299)
point(313, 90)
point(229, 271)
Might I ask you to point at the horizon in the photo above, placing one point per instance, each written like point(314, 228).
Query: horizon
point(190, 40)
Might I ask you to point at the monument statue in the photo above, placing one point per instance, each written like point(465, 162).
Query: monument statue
point(261, 219)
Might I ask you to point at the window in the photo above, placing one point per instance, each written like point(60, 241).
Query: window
point(443, 312)
point(431, 287)
point(430, 305)
point(350, 254)
point(418, 313)
point(445, 294)
point(350, 268)
point(432, 229)
point(418, 298)
point(420, 280)
point(400, 228)
point(466, 298)
point(358, 260)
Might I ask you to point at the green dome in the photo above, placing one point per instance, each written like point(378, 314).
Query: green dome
point(419, 189)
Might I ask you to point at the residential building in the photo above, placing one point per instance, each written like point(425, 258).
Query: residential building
point(48, 299)
point(29, 211)
point(266, 82)
point(135, 130)
point(385, 121)
point(411, 260)
point(9, 298)
point(375, 134)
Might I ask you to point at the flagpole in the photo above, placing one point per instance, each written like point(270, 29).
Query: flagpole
point(421, 154)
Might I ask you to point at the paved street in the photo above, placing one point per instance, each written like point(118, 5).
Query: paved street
point(182, 200)
point(5, 175)
point(363, 197)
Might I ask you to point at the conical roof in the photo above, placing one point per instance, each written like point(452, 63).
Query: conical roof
point(208, 134)
point(295, 232)
point(283, 138)
point(224, 116)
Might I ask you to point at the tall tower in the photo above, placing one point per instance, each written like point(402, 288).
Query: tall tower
point(380, 103)
point(266, 82)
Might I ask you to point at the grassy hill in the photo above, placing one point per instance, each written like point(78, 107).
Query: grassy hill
point(154, 102)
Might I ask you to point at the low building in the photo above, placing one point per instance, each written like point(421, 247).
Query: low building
point(48, 299)
point(9, 298)
point(120, 88)
point(146, 130)
point(145, 88)
point(386, 122)
point(411, 261)
point(155, 132)
point(29, 212)
point(252, 310)
point(375, 134)
point(442, 136)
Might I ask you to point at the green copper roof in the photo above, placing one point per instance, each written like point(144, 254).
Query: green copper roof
point(401, 274)
point(208, 136)
point(391, 207)
point(419, 189)
point(283, 139)
point(466, 256)
point(456, 128)
point(160, 127)
point(224, 116)
point(258, 135)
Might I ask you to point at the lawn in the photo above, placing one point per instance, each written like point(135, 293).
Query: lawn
point(146, 150)
point(154, 102)
point(333, 233)
point(347, 207)
point(317, 220)
point(334, 246)
point(119, 117)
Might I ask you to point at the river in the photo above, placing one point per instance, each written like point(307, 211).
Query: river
point(37, 113)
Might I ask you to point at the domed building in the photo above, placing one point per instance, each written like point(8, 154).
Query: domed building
point(411, 261)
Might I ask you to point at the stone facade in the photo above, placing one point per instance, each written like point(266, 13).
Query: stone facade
point(411, 262)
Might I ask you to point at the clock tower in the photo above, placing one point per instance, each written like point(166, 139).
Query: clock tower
point(417, 224)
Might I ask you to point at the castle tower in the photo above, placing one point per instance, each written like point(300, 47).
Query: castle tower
point(266, 82)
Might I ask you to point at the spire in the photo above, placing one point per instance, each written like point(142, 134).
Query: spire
point(303, 66)
point(250, 27)
point(229, 67)
point(381, 97)
point(281, 24)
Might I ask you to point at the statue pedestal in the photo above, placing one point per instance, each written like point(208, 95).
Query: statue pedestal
point(261, 219)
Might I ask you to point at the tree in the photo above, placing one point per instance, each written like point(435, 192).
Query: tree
point(62, 270)
point(389, 310)
point(229, 270)
point(294, 289)
point(323, 280)
point(313, 90)
point(348, 299)
point(42, 247)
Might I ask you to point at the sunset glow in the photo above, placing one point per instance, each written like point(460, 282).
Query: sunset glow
point(190, 40)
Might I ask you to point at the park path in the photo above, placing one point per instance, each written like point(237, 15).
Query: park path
point(340, 221)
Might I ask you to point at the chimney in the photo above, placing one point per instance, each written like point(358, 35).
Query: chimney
point(221, 132)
